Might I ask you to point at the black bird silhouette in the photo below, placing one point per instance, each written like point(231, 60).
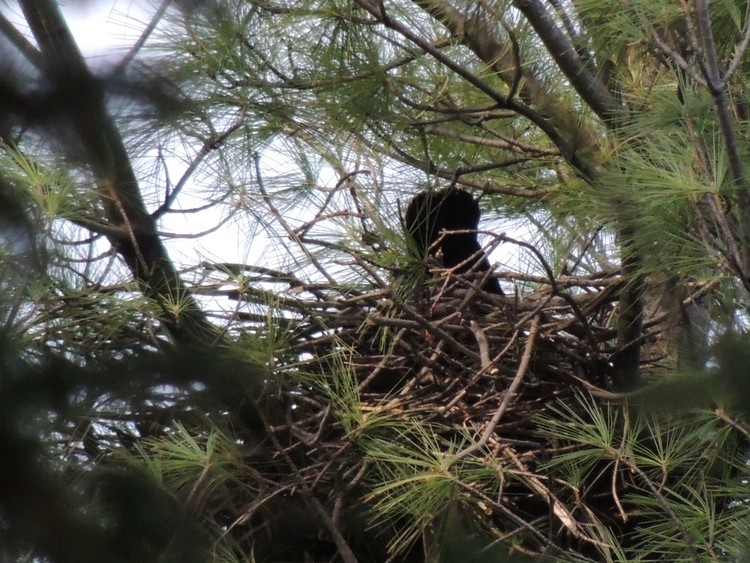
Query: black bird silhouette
point(431, 212)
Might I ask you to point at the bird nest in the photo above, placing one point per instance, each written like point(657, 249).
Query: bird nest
point(477, 363)
point(471, 360)
point(478, 368)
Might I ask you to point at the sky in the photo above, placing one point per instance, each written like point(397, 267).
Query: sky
point(103, 25)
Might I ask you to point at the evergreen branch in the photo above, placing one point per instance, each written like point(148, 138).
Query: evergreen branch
point(210, 144)
point(663, 502)
point(566, 146)
point(145, 34)
point(458, 173)
point(717, 88)
point(739, 53)
point(497, 143)
point(555, 121)
point(588, 86)
point(81, 96)
point(678, 59)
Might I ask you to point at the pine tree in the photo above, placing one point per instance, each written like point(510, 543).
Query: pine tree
point(341, 394)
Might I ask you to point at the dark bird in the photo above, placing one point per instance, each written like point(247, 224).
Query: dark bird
point(431, 212)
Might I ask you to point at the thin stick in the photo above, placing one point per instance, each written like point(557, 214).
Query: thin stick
point(484, 350)
point(509, 394)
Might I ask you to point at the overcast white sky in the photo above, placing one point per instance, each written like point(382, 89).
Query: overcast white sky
point(102, 25)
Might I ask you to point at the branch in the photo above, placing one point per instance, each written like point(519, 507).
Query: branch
point(135, 49)
point(20, 41)
point(717, 87)
point(739, 54)
point(676, 58)
point(588, 86)
point(502, 143)
point(660, 498)
point(627, 358)
point(345, 551)
point(566, 145)
point(457, 176)
point(209, 144)
point(82, 99)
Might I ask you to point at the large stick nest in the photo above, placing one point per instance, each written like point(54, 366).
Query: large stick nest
point(458, 355)
point(469, 363)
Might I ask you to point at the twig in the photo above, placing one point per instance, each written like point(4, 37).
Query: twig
point(500, 507)
point(344, 550)
point(739, 54)
point(210, 144)
point(677, 59)
point(484, 352)
point(382, 364)
point(615, 495)
point(432, 327)
point(509, 394)
point(663, 502)
point(560, 510)
point(733, 423)
point(286, 226)
point(138, 45)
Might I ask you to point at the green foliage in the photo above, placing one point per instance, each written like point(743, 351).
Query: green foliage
point(325, 397)
point(679, 476)
point(192, 466)
point(414, 481)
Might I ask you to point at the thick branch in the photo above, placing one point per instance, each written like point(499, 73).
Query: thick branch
point(82, 99)
point(570, 135)
point(588, 86)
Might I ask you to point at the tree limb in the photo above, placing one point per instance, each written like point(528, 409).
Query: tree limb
point(589, 87)
point(82, 98)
